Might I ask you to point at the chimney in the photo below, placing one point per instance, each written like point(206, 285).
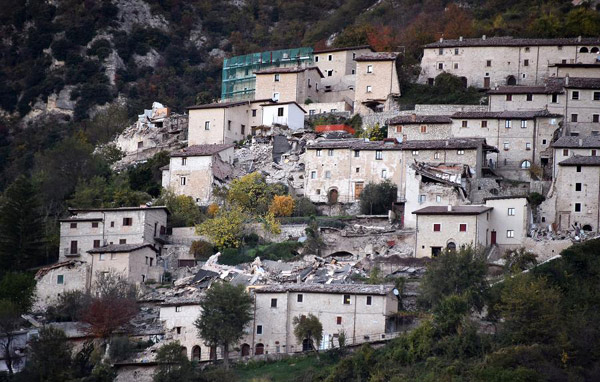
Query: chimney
point(579, 39)
point(483, 37)
point(449, 208)
point(441, 39)
point(413, 117)
point(460, 38)
point(580, 142)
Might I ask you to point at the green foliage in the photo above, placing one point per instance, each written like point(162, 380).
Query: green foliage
point(377, 199)
point(535, 199)
point(146, 177)
point(447, 89)
point(69, 306)
point(173, 365)
point(49, 358)
point(201, 249)
point(21, 227)
point(184, 210)
point(518, 260)
point(101, 192)
point(225, 229)
point(284, 251)
point(253, 194)
point(308, 328)
point(314, 242)
point(460, 272)
point(226, 310)
point(18, 288)
point(373, 133)
point(449, 313)
point(304, 207)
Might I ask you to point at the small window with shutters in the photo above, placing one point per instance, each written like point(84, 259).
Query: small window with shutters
point(462, 227)
point(338, 320)
point(127, 221)
point(437, 227)
point(346, 299)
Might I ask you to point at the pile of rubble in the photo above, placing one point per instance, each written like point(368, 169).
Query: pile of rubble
point(576, 234)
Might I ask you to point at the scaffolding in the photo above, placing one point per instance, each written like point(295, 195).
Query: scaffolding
point(239, 81)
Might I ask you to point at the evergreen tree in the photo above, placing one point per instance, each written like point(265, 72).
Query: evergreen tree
point(21, 227)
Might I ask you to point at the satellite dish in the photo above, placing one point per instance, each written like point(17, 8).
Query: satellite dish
point(396, 293)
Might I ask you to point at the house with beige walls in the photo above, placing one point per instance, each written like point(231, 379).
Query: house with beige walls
point(219, 123)
point(420, 127)
point(566, 147)
point(54, 280)
point(488, 62)
point(137, 263)
point(338, 66)
point(376, 82)
point(576, 70)
point(195, 170)
point(509, 221)
point(293, 84)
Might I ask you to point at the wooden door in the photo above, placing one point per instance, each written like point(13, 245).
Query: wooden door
point(486, 82)
point(493, 238)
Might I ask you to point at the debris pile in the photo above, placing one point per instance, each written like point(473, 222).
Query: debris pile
point(550, 232)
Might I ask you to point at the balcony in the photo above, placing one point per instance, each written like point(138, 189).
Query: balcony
point(72, 252)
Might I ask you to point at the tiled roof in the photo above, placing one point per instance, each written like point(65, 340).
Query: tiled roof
point(580, 160)
point(76, 220)
point(582, 83)
point(377, 56)
point(441, 144)
point(116, 248)
point(419, 119)
point(359, 144)
point(456, 210)
point(509, 41)
point(284, 103)
point(330, 50)
point(293, 69)
point(200, 150)
point(69, 263)
point(218, 105)
point(505, 197)
point(504, 114)
point(524, 90)
point(327, 288)
point(589, 142)
point(117, 209)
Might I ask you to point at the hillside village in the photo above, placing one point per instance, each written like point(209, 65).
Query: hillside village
point(518, 171)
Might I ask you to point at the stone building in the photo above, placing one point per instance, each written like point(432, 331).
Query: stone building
point(376, 82)
point(566, 147)
point(295, 84)
point(576, 70)
point(362, 312)
point(338, 66)
point(195, 170)
point(496, 61)
point(137, 263)
point(56, 279)
point(509, 221)
point(450, 227)
point(420, 127)
point(220, 123)
point(87, 229)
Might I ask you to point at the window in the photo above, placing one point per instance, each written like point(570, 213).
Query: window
point(488, 63)
point(484, 124)
point(280, 112)
point(554, 98)
point(300, 298)
point(384, 174)
point(593, 152)
point(527, 49)
point(127, 221)
point(441, 51)
point(96, 243)
point(183, 161)
point(229, 125)
point(456, 65)
point(182, 180)
point(577, 186)
point(112, 224)
point(254, 112)
point(438, 199)
point(378, 155)
point(316, 58)
point(509, 97)
point(207, 125)
point(140, 145)
point(422, 198)
point(330, 57)
point(436, 155)
point(508, 124)
point(577, 207)
point(308, 83)
point(565, 152)
point(440, 65)
point(462, 227)
point(178, 308)
point(330, 152)
point(273, 303)
point(122, 241)
point(276, 78)
point(369, 89)
point(511, 212)
point(73, 225)
point(369, 300)
point(596, 118)
point(529, 97)
point(399, 129)
point(460, 152)
point(510, 233)
point(356, 153)
point(369, 68)
point(423, 129)
point(147, 261)
point(573, 117)
point(346, 299)
point(525, 62)
point(527, 146)
point(313, 175)
point(94, 224)
point(329, 73)
point(258, 329)
point(243, 129)
point(464, 124)
point(437, 227)
point(338, 320)
point(523, 124)
point(543, 141)
point(415, 153)
point(455, 50)
point(575, 95)
point(358, 170)
point(328, 174)
point(578, 169)
point(102, 257)
point(525, 164)
point(178, 329)
point(318, 152)
point(60, 279)
point(506, 146)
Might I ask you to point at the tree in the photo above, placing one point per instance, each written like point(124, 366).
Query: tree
point(10, 319)
point(374, 133)
point(377, 199)
point(225, 229)
point(50, 357)
point(201, 249)
point(21, 227)
point(449, 313)
point(226, 310)
point(460, 272)
point(173, 365)
point(308, 328)
point(253, 194)
point(184, 210)
point(518, 260)
point(282, 205)
point(18, 288)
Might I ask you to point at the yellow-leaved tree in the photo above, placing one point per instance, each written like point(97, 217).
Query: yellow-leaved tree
point(282, 205)
point(225, 230)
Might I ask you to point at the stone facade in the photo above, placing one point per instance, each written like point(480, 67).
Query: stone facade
point(136, 263)
point(496, 61)
point(56, 279)
point(219, 123)
point(92, 228)
point(289, 84)
point(509, 214)
point(376, 82)
point(339, 66)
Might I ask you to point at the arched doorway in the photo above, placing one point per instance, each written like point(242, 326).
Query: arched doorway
point(259, 349)
point(245, 350)
point(451, 246)
point(594, 50)
point(587, 227)
point(196, 353)
point(184, 351)
point(307, 345)
point(583, 50)
point(511, 80)
point(332, 197)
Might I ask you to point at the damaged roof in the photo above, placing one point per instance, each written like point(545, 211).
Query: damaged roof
point(455, 210)
point(518, 89)
point(327, 288)
point(509, 41)
point(200, 150)
point(419, 119)
point(589, 142)
point(360, 144)
point(119, 248)
point(295, 69)
point(218, 105)
point(70, 263)
point(331, 50)
point(580, 160)
point(528, 114)
point(377, 56)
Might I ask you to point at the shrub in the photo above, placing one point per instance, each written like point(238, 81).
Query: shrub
point(377, 199)
point(304, 207)
point(282, 205)
point(201, 249)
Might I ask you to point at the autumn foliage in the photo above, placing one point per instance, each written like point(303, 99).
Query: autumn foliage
point(282, 205)
point(107, 314)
